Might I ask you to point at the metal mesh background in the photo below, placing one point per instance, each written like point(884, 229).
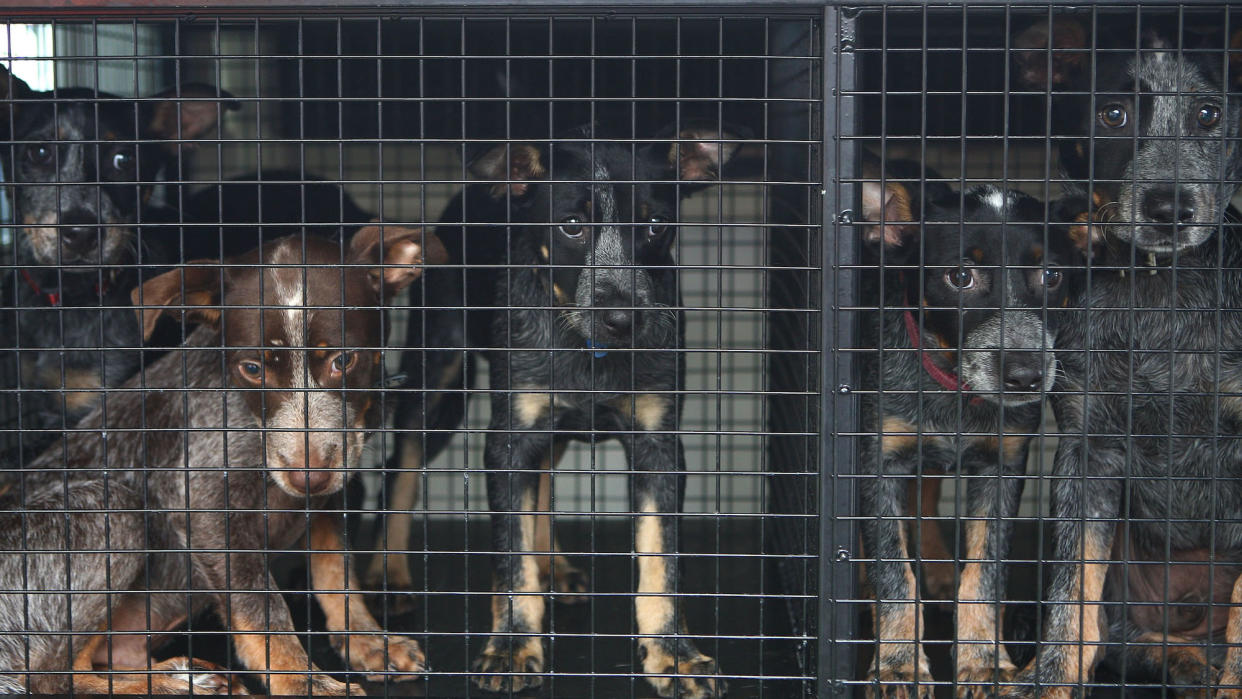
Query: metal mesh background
point(389, 111)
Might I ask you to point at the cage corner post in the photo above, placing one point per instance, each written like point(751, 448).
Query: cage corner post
point(838, 536)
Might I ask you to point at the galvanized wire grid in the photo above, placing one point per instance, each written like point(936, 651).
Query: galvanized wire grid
point(388, 113)
point(951, 89)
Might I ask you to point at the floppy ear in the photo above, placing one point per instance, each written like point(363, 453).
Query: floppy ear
point(200, 282)
point(890, 203)
point(187, 113)
point(400, 251)
point(510, 168)
point(1031, 60)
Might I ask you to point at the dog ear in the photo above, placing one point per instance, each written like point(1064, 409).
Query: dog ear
point(195, 284)
point(1074, 212)
point(186, 113)
point(892, 203)
point(1031, 60)
point(401, 251)
point(510, 168)
point(701, 152)
point(11, 87)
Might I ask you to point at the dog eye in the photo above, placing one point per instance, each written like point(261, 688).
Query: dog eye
point(122, 160)
point(1209, 114)
point(572, 226)
point(39, 154)
point(658, 227)
point(960, 277)
point(1114, 116)
point(344, 361)
point(1052, 278)
point(251, 369)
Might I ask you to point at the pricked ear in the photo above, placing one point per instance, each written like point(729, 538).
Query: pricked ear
point(701, 152)
point(11, 87)
point(890, 204)
point(400, 251)
point(510, 167)
point(1083, 229)
point(200, 282)
point(1031, 60)
point(187, 113)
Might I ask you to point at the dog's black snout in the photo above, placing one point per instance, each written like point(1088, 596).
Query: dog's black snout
point(78, 227)
point(1024, 372)
point(1164, 206)
point(617, 322)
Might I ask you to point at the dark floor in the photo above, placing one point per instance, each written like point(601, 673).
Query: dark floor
point(737, 607)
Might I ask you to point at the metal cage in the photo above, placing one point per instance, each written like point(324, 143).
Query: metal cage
point(668, 329)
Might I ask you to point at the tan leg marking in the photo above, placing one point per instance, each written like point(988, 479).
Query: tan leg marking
point(531, 407)
point(1231, 673)
point(900, 658)
point(981, 657)
point(371, 650)
point(1082, 648)
point(526, 605)
point(897, 435)
point(262, 651)
point(556, 573)
point(172, 676)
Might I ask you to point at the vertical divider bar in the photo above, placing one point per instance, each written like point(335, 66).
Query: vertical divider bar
point(838, 407)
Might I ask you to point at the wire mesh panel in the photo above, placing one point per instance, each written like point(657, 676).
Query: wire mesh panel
point(436, 354)
point(1045, 314)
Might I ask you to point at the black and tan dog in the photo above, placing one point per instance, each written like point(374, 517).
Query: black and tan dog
point(1148, 467)
point(972, 288)
point(586, 349)
point(82, 166)
point(223, 450)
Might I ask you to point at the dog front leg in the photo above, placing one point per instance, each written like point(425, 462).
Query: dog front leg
point(1084, 513)
point(1230, 683)
point(993, 493)
point(263, 634)
point(361, 641)
point(900, 668)
point(674, 666)
point(512, 660)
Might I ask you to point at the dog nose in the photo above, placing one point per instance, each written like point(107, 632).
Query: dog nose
point(1164, 206)
point(617, 322)
point(78, 227)
point(312, 481)
point(1023, 373)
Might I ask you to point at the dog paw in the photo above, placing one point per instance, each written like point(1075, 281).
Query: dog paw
point(689, 679)
point(1024, 687)
point(191, 675)
point(570, 582)
point(982, 681)
point(899, 683)
point(509, 665)
point(314, 685)
point(399, 658)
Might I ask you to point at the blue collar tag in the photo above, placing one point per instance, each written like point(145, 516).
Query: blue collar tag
point(592, 345)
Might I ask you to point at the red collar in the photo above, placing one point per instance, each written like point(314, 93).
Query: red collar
point(54, 297)
point(947, 379)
